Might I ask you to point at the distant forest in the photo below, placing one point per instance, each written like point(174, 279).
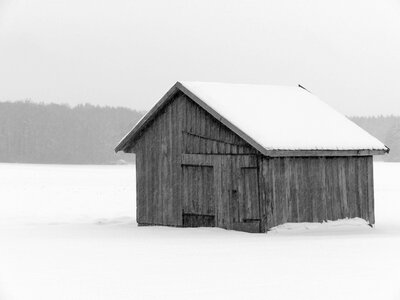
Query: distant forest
point(87, 134)
point(60, 134)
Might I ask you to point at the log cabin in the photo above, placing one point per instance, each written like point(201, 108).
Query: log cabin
point(248, 158)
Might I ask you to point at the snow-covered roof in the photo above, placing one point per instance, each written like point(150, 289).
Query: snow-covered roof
point(273, 118)
point(284, 117)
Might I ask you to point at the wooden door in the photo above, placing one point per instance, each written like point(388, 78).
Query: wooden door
point(222, 191)
point(198, 196)
point(245, 202)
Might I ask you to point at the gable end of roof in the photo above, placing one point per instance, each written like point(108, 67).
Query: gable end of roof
point(164, 101)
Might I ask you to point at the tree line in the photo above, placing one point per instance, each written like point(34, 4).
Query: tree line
point(87, 134)
point(53, 133)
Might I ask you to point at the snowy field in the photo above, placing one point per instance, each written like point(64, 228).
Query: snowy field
point(69, 232)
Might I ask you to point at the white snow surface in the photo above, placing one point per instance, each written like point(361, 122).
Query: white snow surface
point(69, 232)
point(283, 117)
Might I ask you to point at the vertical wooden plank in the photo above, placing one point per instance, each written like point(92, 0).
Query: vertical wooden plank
point(358, 189)
point(314, 187)
point(288, 187)
point(298, 175)
point(285, 189)
point(351, 187)
point(343, 187)
point(330, 186)
point(191, 190)
point(371, 205)
point(151, 167)
point(146, 188)
point(203, 122)
point(277, 202)
point(190, 118)
point(210, 191)
point(208, 143)
point(185, 189)
point(262, 191)
point(171, 176)
point(323, 215)
point(225, 192)
point(202, 200)
point(211, 131)
point(221, 146)
point(157, 166)
point(267, 186)
point(363, 173)
point(218, 192)
point(241, 190)
point(198, 129)
point(196, 189)
point(246, 195)
point(148, 158)
point(178, 149)
point(161, 171)
point(293, 191)
point(272, 175)
point(336, 190)
point(305, 209)
point(234, 199)
point(186, 126)
point(162, 168)
point(140, 182)
point(308, 188)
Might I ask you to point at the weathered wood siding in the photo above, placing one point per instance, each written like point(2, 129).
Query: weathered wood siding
point(203, 134)
point(158, 170)
point(308, 189)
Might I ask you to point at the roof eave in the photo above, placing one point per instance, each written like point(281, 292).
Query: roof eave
point(321, 152)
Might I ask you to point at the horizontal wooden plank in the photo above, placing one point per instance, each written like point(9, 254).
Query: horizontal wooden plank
point(198, 159)
point(211, 139)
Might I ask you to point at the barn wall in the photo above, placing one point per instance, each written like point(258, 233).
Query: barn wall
point(316, 189)
point(203, 134)
point(158, 173)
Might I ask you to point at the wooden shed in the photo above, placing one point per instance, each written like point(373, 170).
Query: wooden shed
point(248, 158)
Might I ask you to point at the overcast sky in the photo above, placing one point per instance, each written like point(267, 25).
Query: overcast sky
point(128, 53)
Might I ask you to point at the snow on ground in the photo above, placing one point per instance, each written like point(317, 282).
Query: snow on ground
point(68, 232)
